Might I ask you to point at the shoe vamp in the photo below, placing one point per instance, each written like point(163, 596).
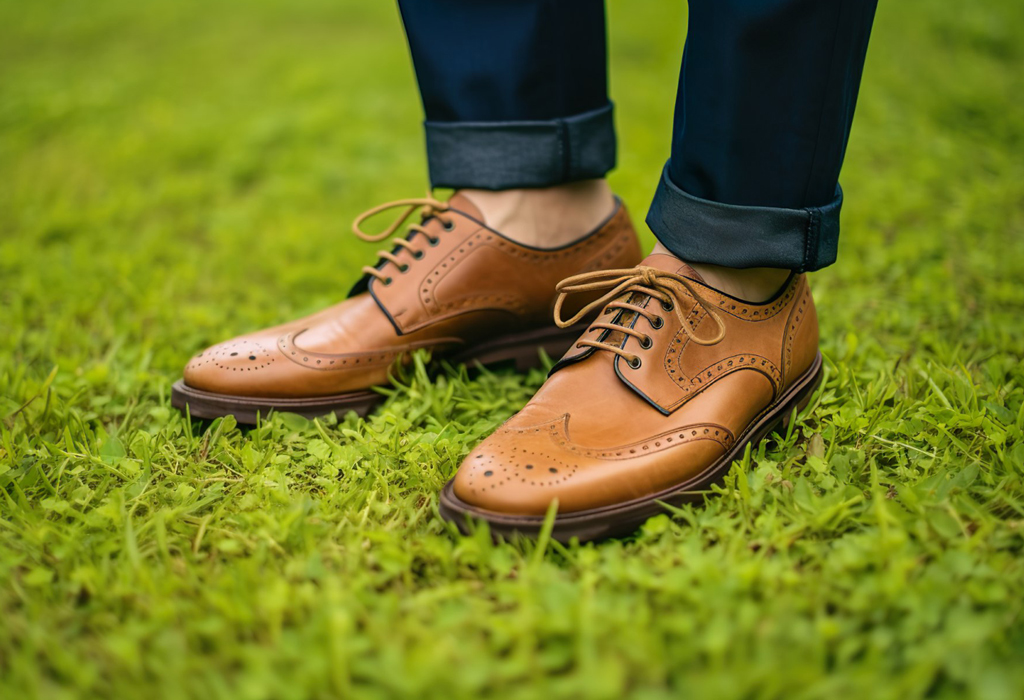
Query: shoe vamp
point(357, 325)
point(600, 412)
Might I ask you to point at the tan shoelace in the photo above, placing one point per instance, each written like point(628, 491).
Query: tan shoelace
point(667, 287)
point(430, 209)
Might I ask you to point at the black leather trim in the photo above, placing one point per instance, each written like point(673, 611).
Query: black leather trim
point(618, 369)
point(383, 308)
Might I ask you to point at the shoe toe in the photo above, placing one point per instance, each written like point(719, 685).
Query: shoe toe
point(231, 367)
point(521, 471)
point(516, 476)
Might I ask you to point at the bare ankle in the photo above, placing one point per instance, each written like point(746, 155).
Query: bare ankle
point(546, 217)
point(755, 284)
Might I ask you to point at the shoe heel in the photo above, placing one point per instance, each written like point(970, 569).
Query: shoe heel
point(799, 402)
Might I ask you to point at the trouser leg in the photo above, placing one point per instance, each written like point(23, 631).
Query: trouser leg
point(514, 91)
point(766, 98)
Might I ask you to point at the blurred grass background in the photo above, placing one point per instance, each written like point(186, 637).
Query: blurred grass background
point(172, 173)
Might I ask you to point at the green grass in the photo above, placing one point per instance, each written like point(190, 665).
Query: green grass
point(174, 172)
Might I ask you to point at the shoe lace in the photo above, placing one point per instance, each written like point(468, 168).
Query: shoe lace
point(430, 209)
point(667, 287)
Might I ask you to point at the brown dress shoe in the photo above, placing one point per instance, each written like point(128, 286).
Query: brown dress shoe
point(453, 285)
point(651, 406)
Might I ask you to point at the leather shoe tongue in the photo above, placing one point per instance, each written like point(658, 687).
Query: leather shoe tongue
point(670, 263)
point(660, 261)
point(461, 203)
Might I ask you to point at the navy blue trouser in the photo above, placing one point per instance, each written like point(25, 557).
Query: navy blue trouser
point(516, 95)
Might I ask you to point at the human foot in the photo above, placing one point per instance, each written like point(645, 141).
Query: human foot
point(653, 404)
point(755, 284)
point(548, 217)
point(452, 285)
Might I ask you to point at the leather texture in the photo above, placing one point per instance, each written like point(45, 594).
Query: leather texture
point(601, 432)
point(473, 285)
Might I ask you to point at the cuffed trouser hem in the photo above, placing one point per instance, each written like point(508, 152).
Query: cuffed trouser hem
point(699, 230)
point(503, 155)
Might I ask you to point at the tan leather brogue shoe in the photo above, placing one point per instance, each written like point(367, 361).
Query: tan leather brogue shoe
point(452, 285)
point(651, 406)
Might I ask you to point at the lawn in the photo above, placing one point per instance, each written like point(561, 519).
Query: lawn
point(175, 172)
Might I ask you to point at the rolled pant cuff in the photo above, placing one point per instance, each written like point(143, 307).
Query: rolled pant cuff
point(699, 230)
point(503, 155)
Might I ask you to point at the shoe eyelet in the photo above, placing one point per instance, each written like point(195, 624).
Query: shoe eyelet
point(646, 342)
point(418, 255)
point(635, 363)
point(657, 322)
point(448, 225)
point(434, 242)
point(387, 281)
point(667, 305)
point(404, 268)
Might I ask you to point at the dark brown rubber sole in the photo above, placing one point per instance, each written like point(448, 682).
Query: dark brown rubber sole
point(520, 349)
point(624, 518)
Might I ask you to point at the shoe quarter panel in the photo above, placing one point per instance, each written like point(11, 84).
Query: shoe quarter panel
point(484, 271)
point(801, 338)
point(409, 301)
point(676, 369)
